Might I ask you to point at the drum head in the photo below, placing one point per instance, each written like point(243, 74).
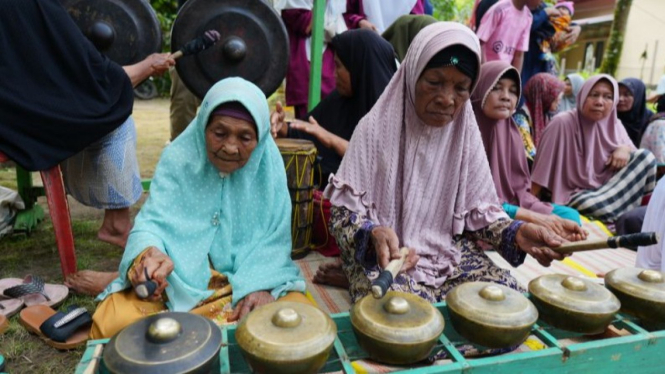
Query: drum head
point(294, 145)
point(254, 44)
point(126, 31)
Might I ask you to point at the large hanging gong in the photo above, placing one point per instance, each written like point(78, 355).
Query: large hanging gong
point(126, 31)
point(254, 44)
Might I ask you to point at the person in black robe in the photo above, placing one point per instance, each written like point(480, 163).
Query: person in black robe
point(364, 64)
point(59, 95)
point(632, 108)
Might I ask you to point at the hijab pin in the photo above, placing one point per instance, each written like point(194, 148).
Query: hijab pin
point(454, 60)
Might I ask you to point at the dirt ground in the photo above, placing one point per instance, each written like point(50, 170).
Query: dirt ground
point(37, 253)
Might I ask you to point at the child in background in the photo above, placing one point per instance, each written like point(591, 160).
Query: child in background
point(561, 24)
point(504, 31)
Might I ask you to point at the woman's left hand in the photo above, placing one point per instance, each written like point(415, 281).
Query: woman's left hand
point(619, 158)
point(537, 240)
point(562, 227)
point(249, 303)
point(313, 128)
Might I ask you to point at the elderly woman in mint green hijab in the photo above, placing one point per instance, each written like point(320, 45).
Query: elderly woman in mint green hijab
point(215, 232)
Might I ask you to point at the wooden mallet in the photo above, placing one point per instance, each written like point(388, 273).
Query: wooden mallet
point(631, 240)
point(203, 42)
point(381, 284)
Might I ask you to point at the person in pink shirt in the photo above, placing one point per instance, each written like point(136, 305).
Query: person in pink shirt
point(504, 31)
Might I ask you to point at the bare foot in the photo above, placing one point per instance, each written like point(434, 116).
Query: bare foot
point(119, 239)
point(331, 274)
point(88, 282)
point(116, 226)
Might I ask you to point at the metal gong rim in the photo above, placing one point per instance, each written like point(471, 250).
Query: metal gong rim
point(126, 31)
point(254, 44)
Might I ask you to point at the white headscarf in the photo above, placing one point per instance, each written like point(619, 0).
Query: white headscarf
point(383, 13)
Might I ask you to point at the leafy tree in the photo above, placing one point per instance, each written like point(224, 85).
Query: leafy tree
point(615, 45)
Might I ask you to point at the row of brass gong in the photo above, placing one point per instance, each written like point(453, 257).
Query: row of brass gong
point(254, 42)
point(400, 328)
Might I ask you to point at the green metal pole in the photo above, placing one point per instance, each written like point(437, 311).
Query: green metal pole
point(317, 54)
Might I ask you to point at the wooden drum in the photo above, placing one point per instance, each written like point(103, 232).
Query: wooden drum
point(299, 157)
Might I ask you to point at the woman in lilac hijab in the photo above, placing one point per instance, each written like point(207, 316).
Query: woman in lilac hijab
point(493, 102)
point(415, 175)
point(587, 161)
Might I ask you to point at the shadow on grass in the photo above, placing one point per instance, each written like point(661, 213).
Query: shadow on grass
point(37, 254)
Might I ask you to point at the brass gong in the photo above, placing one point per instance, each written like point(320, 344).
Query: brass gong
point(165, 343)
point(254, 44)
point(573, 304)
point(491, 314)
point(642, 292)
point(286, 337)
point(126, 31)
point(399, 328)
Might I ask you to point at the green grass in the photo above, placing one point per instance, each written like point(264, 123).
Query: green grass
point(37, 254)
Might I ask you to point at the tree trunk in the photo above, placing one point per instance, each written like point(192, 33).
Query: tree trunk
point(612, 55)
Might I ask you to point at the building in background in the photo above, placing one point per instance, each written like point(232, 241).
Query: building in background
point(643, 54)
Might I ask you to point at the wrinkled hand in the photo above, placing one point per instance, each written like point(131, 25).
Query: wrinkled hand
point(313, 128)
point(365, 24)
point(278, 121)
point(159, 266)
point(564, 228)
point(386, 246)
point(552, 12)
point(619, 158)
point(249, 303)
point(537, 240)
point(160, 63)
point(572, 34)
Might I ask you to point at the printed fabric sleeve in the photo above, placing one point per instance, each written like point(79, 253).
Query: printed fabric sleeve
point(501, 234)
point(352, 230)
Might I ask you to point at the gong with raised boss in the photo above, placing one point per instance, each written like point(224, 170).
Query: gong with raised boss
point(254, 44)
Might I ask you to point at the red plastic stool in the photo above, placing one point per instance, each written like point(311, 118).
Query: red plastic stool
point(54, 189)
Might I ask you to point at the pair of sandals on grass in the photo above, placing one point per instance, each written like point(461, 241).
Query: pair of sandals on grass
point(34, 300)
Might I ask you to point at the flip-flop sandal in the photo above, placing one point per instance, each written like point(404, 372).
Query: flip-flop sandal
point(60, 330)
point(9, 307)
point(33, 291)
point(3, 326)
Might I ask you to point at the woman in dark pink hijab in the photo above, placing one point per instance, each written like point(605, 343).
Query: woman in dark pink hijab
point(587, 161)
point(494, 101)
point(415, 175)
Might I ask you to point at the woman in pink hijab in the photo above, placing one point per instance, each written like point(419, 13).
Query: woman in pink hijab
point(586, 159)
point(415, 175)
point(494, 101)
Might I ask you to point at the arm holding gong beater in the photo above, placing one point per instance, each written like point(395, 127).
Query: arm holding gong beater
point(632, 240)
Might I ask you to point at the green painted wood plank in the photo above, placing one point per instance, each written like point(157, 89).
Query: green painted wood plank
point(224, 358)
point(317, 54)
point(88, 354)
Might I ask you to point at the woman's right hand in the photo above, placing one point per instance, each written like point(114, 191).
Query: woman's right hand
point(158, 266)
point(386, 246)
point(278, 126)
